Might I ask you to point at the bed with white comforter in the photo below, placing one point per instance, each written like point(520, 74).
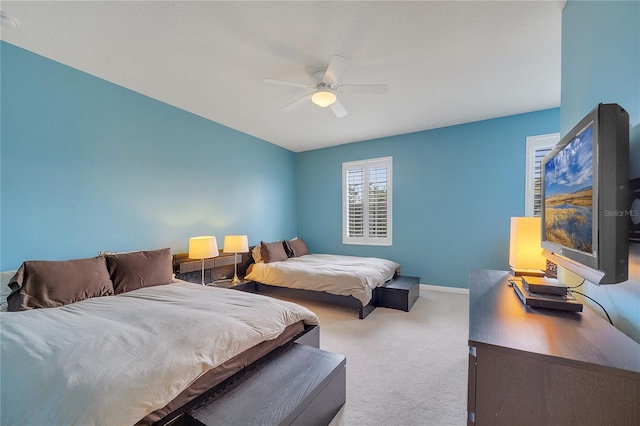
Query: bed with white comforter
point(112, 360)
point(335, 274)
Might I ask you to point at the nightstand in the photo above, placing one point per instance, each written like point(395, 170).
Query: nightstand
point(242, 285)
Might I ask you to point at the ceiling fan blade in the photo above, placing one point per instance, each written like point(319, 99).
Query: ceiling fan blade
point(334, 70)
point(338, 109)
point(288, 83)
point(297, 103)
point(373, 89)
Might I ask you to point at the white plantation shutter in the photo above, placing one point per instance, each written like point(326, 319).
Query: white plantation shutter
point(367, 201)
point(539, 154)
point(378, 202)
point(355, 203)
point(537, 147)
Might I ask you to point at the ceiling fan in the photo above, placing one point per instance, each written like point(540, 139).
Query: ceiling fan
point(324, 81)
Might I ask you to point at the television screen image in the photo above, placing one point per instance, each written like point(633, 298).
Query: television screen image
point(569, 194)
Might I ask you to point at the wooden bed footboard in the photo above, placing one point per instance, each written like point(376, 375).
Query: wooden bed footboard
point(400, 292)
point(321, 297)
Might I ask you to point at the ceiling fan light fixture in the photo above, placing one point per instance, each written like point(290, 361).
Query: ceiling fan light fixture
point(323, 98)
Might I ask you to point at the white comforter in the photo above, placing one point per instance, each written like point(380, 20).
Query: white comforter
point(335, 274)
point(112, 360)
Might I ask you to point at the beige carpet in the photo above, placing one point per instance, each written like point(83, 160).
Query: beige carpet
point(403, 368)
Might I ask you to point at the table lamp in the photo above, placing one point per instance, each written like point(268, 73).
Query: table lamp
point(525, 252)
point(203, 248)
point(235, 244)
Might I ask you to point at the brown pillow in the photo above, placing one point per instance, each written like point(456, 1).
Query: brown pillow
point(297, 247)
point(134, 270)
point(47, 284)
point(272, 252)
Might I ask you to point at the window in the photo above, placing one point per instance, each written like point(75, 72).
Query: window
point(537, 147)
point(366, 202)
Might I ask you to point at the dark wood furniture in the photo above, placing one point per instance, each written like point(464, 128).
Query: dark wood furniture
point(217, 268)
point(242, 285)
point(536, 366)
point(400, 292)
point(301, 385)
point(319, 296)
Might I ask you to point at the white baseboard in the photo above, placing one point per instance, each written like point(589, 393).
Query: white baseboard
point(444, 289)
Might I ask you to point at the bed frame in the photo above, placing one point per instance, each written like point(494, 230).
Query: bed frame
point(310, 338)
point(322, 297)
point(400, 292)
point(313, 296)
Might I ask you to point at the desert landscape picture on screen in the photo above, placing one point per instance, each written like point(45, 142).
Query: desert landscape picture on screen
point(568, 185)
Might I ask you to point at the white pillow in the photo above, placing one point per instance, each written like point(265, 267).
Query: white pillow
point(5, 291)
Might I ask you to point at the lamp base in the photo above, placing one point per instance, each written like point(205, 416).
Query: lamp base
point(235, 279)
point(529, 272)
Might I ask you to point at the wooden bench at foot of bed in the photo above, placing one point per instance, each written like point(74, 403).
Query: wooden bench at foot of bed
point(301, 385)
point(400, 292)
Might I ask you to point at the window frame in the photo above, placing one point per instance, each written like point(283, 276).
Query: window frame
point(366, 165)
point(533, 145)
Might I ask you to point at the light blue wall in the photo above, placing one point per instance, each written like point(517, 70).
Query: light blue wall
point(601, 63)
point(88, 165)
point(454, 190)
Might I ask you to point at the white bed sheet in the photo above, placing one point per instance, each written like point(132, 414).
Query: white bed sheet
point(335, 274)
point(112, 360)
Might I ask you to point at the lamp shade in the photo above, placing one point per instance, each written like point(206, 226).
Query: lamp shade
point(525, 251)
point(323, 98)
point(203, 247)
point(236, 244)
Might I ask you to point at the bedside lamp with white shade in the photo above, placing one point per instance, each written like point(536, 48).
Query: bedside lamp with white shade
point(525, 251)
point(203, 248)
point(235, 244)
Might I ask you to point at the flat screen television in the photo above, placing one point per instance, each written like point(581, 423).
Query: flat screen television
point(585, 193)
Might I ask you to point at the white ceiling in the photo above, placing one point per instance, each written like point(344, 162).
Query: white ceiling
point(445, 62)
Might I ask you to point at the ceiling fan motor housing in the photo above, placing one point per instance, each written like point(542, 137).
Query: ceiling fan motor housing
point(316, 79)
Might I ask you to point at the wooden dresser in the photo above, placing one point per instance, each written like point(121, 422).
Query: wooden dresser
point(534, 366)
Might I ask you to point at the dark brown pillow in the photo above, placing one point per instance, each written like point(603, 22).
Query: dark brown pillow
point(47, 284)
point(272, 252)
point(297, 247)
point(134, 270)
